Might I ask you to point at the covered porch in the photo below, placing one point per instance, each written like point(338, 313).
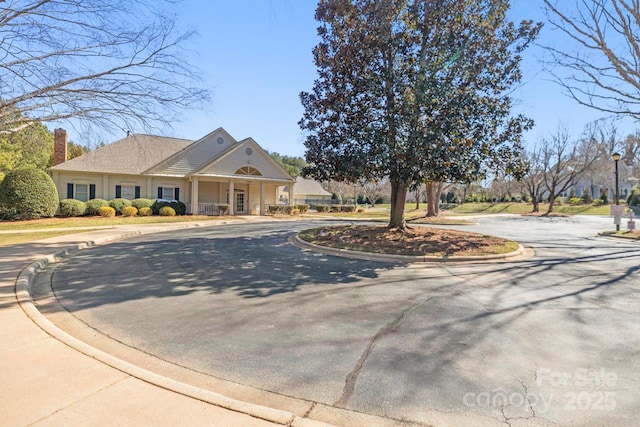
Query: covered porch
point(210, 195)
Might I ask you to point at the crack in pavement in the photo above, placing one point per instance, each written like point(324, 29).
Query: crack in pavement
point(352, 377)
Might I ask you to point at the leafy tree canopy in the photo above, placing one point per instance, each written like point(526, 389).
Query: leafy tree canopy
point(414, 91)
point(291, 164)
point(31, 147)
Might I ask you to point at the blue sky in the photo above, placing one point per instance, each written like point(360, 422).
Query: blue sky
point(255, 57)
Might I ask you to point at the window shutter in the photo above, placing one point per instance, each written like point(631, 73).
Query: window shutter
point(177, 193)
point(118, 191)
point(137, 195)
point(92, 191)
point(159, 192)
point(70, 190)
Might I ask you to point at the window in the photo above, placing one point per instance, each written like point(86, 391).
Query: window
point(248, 170)
point(128, 192)
point(169, 193)
point(81, 192)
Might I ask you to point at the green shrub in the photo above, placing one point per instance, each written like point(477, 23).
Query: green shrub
point(28, 194)
point(604, 196)
point(72, 207)
point(107, 211)
point(142, 203)
point(360, 209)
point(119, 205)
point(94, 205)
point(302, 208)
point(295, 211)
point(575, 201)
point(272, 209)
point(130, 211)
point(145, 212)
point(598, 202)
point(167, 211)
point(323, 208)
point(586, 196)
point(634, 197)
point(179, 208)
point(288, 209)
point(348, 208)
point(526, 198)
point(337, 197)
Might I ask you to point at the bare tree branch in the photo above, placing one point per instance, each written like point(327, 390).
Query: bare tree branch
point(603, 69)
point(112, 64)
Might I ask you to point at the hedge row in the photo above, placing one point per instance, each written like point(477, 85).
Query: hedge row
point(140, 207)
point(287, 209)
point(334, 208)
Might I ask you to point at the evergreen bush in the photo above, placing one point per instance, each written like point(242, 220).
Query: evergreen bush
point(167, 211)
point(94, 205)
point(145, 212)
point(130, 211)
point(142, 203)
point(28, 194)
point(119, 205)
point(72, 207)
point(107, 212)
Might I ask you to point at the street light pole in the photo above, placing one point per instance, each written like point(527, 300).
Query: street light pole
point(616, 157)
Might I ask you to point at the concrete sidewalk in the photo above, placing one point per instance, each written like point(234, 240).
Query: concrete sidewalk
point(46, 381)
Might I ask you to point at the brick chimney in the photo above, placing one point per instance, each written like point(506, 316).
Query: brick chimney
point(59, 146)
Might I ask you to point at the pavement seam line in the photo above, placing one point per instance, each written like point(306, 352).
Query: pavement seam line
point(22, 292)
point(352, 377)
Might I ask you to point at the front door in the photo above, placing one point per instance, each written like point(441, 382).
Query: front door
point(239, 202)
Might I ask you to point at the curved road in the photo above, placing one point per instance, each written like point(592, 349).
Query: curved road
point(552, 339)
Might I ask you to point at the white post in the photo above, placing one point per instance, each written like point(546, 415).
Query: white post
point(232, 198)
point(105, 187)
point(262, 212)
point(194, 196)
point(291, 194)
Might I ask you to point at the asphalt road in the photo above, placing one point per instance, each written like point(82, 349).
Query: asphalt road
point(553, 339)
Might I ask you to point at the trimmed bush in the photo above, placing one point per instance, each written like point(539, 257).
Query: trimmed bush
point(575, 201)
point(337, 197)
point(179, 208)
point(586, 196)
point(119, 205)
point(295, 211)
point(167, 211)
point(130, 211)
point(72, 207)
point(348, 208)
point(107, 212)
point(142, 203)
point(361, 209)
point(302, 208)
point(272, 209)
point(598, 202)
point(604, 196)
point(145, 212)
point(323, 208)
point(94, 205)
point(28, 194)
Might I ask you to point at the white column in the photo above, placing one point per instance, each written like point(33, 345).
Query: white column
point(194, 196)
point(150, 193)
point(232, 198)
point(262, 212)
point(291, 193)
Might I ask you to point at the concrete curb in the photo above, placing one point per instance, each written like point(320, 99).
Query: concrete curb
point(372, 256)
point(24, 298)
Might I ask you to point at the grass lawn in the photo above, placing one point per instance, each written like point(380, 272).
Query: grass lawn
point(18, 238)
point(97, 221)
point(523, 208)
point(623, 234)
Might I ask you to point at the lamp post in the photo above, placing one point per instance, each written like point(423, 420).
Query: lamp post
point(616, 157)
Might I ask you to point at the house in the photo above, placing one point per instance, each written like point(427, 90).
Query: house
point(309, 192)
point(214, 170)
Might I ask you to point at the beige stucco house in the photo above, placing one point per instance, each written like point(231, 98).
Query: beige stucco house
point(216, 169)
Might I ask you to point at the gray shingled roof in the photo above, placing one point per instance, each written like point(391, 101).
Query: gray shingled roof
point(309, 186)
point(131, 155)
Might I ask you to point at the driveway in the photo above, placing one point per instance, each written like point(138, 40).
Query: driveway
point(552, 339)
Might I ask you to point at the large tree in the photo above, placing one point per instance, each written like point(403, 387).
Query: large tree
point(113, 63)
point(30, 147)
point(600, 53)
point(416, 91)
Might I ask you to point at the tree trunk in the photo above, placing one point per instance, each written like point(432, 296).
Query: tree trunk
point(398, 198)
point(552, 202)
point(536, 204)
point(432, 200)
